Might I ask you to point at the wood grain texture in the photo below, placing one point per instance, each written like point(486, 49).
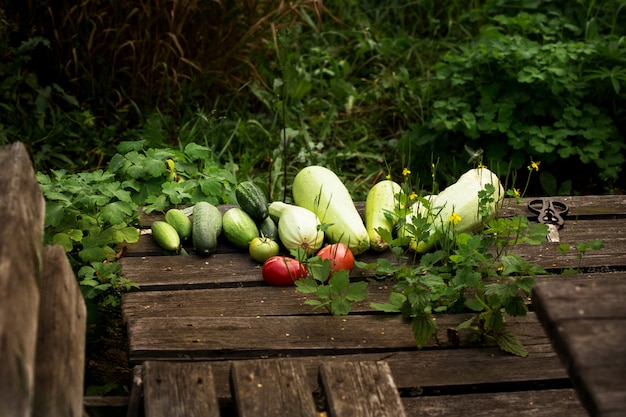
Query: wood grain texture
point(21, 238)
point(60, 340)
point(266, 336)
point(179, 389)
point(544, 403)
point(271, 388)
point(587, 323)
point(218, 309)
point(360, 389)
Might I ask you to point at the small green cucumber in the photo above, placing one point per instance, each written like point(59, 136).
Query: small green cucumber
point(239, 227)
point(268, 228)
point(165, 235)
point(179, 220)
point(252, 200)
point(207, 225)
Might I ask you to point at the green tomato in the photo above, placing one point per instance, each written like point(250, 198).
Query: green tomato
point(263, 248)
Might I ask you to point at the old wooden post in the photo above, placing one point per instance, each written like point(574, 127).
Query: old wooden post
point(42, 312)
point(60, 363)
point(21, 238)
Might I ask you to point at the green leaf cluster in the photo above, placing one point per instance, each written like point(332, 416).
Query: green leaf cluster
point(529, 85)
point(336, 294)
point(93, 215)
point(469, 272)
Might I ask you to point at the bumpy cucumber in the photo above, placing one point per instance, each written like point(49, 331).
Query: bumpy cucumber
point(379, 205)
point(165, 235)
point(179, 220)
point(252, 200)
point(207, 225)
point(239, 228)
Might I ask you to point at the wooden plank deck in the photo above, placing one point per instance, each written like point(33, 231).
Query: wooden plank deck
point(217, 313)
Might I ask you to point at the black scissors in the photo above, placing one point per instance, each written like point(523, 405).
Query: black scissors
point(549, 212)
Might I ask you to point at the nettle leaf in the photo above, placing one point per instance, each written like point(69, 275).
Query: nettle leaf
point(508, 342)
point(474, 305)
point(516, 306)
point(424, 328)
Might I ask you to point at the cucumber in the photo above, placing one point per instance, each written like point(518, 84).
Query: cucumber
point(381, 202)
point(207, 225)
point(321, 191)
point(268, 228)
point(179, 221)
point(165, 235)
point(239, 228)
point(252, 200)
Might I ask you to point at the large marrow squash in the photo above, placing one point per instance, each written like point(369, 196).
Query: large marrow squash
point(320, 190)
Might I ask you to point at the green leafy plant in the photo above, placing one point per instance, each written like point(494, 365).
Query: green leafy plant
point(91, 215)
point(336, 294)
point(469, 272)
point(581, 248)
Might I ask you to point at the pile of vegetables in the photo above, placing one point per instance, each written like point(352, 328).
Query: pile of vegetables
point(323, 212)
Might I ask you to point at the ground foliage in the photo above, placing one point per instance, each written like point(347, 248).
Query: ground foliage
point(104, 93)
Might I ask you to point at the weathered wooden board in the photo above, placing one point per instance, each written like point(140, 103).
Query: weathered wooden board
point(60, 340)
point(434, 371)
point(360, 389)
point(271, 388)
point(179, 390)
point(267, 336)
point(544, 403)
point(21, 238)
point(259, 300)
point(587, 323)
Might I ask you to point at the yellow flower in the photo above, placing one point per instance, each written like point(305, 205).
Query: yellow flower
point(481, 165)
point(516, 192)
point(406, 172)
point(412, 196)
point(388, 176)
point(454, 218)
point(533, 165)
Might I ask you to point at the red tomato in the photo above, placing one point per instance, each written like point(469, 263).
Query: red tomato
point(282, 271)
point(339, 255)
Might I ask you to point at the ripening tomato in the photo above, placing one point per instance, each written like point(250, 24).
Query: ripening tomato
point(282, 271)
point(339, 255)
point(263, 248)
